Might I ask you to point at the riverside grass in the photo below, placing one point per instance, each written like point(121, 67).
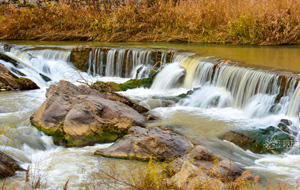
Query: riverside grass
point(262, 22)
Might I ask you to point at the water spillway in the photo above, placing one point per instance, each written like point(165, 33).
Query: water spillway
point(119, 62)
point(228, 84)
point(223, 94)
point(221, 83)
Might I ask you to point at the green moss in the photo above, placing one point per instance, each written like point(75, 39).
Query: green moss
point(104, 87)
point(270, 140)
point(113, 87)
point(136, 83)
point(8, 59)
point(154, 158)
point(59, 136)
point(183, 95)
point(92, 138)
point(26, 84)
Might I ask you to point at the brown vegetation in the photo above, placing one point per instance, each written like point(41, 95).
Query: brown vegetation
point(155, 177)
point(262, 22)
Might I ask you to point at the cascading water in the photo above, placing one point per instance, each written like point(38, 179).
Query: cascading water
point(127, 63)
point(172, 72)
point(58, 55)
point(228, 85)
point(222, 95)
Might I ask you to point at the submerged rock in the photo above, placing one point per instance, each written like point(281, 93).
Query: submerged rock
point(8, 166)
point(79, 116)
point(9, 81)
point(274, 140)
point(190, 92)
point(158, 143)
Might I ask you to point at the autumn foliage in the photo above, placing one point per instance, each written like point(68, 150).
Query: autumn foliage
point(270, 22)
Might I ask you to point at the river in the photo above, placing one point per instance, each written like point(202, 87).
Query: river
point(226, 100)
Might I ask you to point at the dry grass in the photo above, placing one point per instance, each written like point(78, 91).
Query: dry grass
point(263, 22)
point(154, 177)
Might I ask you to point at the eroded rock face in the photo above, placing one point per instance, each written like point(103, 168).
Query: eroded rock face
point(8, 166)
point(159, 143)
point(78, 116)
point(80, 57)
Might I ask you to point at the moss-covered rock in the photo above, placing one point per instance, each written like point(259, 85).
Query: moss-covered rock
point(114, 87)
point(105, 87)
point(26, 84)
point(190, 92)
point(9, 81)
point(136, 83)
point(271, 140)
point(8, 59)
point(79, 116)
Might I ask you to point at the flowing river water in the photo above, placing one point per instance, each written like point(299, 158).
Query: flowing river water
point(228, 97)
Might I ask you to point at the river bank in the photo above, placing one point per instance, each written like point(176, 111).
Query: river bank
point(235, 22)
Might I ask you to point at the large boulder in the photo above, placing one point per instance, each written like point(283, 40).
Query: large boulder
point(79, 116)
point(271, 140)
point(8, 166)
point(9, 81)
point(158, 143)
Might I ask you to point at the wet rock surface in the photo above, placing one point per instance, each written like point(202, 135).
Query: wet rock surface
point(158, 143)
point(272, 140)
point(79, 116)
point(80, 57)
point(8, 166)
point(9, 81)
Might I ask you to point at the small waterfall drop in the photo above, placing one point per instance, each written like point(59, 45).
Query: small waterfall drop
point(125, 62)
point(294, 106)
point(58, 55)
point(168, 77)
point(244, 83)
point(44, 67)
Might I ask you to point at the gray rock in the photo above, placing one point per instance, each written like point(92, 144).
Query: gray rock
point(159, 143)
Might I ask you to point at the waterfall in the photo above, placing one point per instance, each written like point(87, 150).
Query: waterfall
point(43, 66)
point(58, 55)
point(120, 62)
point(196, 73)
point(244, 83)
point(125, 62)
point(110, 67)
point(168, 77)
point(256, 91)
point(294, 106)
